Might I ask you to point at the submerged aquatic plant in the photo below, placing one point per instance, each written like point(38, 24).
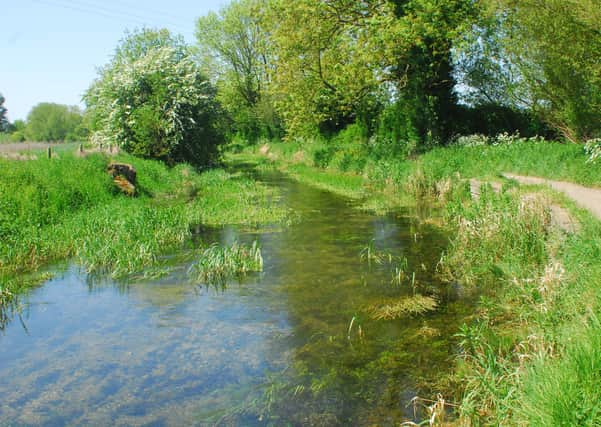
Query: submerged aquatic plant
point(217, 263)
point(371, 255)
point(408, 306)
point(399, 273)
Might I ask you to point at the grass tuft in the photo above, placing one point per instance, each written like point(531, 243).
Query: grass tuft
point(219, 264)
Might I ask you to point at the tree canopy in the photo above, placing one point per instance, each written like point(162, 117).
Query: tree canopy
point(55, 122)
point(234, 49)
point(555, 46)
point(154, 102)
point(332, 59)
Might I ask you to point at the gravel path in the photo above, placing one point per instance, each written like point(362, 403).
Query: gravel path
point(585, 197)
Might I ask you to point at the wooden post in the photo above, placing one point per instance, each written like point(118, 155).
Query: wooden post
point(49, 152)
point(81, 148)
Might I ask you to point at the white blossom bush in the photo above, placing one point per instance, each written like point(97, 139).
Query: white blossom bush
point(477, 140)
point(474, 140)
point(153, 101)
point(592, 148)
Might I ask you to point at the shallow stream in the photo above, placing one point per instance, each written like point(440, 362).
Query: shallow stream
point(293, 345)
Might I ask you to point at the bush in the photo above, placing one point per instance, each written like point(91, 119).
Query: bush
point(592, 148)
point(153, 101)
point(347, 151)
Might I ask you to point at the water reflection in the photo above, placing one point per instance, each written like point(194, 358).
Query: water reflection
point(273, 348)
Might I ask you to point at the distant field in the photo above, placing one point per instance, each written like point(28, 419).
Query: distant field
point(19, 147)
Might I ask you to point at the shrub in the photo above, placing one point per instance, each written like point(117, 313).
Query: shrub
point(592, 148)
point(153, 101)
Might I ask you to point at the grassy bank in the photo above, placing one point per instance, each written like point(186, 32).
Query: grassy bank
point(530, 354)
point(69, 208)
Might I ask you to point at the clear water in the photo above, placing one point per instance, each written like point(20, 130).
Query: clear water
point(271, 349)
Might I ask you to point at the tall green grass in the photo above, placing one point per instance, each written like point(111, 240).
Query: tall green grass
point(526, 359)
point(52, 209)
point(537, 158)
point(565, 391)
point(534, 156)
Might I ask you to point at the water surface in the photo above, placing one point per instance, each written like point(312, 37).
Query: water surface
point(270, 349)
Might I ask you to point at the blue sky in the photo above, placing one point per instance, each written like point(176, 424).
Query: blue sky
point(50, 49)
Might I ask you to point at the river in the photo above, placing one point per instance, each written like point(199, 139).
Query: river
point(293, 345)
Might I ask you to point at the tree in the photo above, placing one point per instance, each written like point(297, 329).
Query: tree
point(54, 122)
point(424, 68)
point(3, 119)
point(153, 101)
point(234, 48)
point(349, 58)
point(331, 59)
point(555, 45)
point(17, 131)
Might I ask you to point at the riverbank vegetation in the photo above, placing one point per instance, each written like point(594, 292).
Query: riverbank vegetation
point(539, 284)
point(53, 209)
point(217, 264)
point(387, 102)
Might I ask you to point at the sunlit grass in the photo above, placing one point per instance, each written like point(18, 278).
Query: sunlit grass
point(68, 208)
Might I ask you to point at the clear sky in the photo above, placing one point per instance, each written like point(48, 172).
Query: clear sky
point(50, 49)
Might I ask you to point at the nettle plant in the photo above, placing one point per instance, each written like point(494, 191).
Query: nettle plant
point(153, 101)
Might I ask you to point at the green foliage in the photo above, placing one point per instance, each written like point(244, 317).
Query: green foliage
point(348, 59)
point(330, 67)
point(234, 48)
point(395, 134)
point(496, 237)
point(17, 131)
point(4, 124)
point(153, 101)
point(54, 122)
point(555, 46)
point(424, 68)
point(493, 119)
point(351, 150)
point(567, 391)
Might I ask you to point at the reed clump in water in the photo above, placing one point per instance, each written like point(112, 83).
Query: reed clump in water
point(218, 264)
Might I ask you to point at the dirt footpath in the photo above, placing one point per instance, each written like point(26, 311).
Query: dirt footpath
point(585, 197)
